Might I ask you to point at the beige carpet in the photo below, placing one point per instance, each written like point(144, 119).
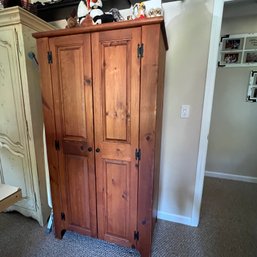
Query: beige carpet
point(228, 228)
point(228, 224)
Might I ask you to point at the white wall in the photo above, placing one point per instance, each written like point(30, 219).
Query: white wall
point(188, 27)
point(232, 141)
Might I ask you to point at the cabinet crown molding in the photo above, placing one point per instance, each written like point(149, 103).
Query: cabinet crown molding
point(16, 15)
point(105, 27)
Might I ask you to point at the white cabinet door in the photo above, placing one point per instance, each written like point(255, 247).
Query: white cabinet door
point(15, 166)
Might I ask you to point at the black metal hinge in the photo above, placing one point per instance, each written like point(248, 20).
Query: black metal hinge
point(138, 154)
point(136, 235)
point(57, 145)
point(62, 215)
point(50, 57)
point(140, 50)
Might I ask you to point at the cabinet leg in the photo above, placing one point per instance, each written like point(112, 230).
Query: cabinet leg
point(59, 234)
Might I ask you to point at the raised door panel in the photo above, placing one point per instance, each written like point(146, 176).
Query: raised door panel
point(15, 165)
point(116, 111)
point(77, 186)
point(72, 89)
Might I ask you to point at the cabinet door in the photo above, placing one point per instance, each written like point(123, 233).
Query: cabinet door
point(116, 112)
point(72, 90)
point(15, 164)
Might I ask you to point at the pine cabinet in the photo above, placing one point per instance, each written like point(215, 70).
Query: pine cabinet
point(21, 123)
point(102, 92)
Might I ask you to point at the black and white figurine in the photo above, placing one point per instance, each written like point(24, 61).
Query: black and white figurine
point(97, 13)
point(83, 11)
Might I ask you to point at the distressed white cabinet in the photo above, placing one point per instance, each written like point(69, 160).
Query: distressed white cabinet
point(21, 120)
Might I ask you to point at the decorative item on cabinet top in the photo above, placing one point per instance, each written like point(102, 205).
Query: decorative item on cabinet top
point(60, 10)
point(90, 12)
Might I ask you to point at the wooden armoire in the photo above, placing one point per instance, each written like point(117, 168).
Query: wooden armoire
point(102, 89)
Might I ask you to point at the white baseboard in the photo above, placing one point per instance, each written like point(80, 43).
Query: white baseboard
point(175, 218)
point(230, 176)
point(190, 221)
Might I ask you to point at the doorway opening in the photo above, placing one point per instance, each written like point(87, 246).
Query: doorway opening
point(228, 6)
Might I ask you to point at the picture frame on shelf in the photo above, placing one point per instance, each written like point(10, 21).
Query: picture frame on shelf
point(232, 44)
point(250, 56)
point(239, 50)
point(231, 57)
point(251, 43)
